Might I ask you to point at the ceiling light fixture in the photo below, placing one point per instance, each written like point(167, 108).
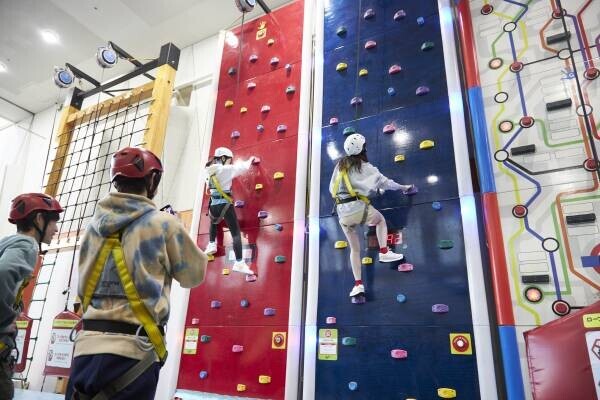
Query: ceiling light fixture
point(3, 67)
point(50, 36)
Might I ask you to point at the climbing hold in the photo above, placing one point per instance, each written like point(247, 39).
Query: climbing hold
point(237, 348)
point(256, 161)
point(195, 321)
point(288, 67)
point(400, 14)
point(349, 341)
point(440, 308)
point(590, 165)
point(225, 271)
point(360, 299)
point(412, 190)
point(363, 72)
point(591, 73)
point(215, 304)
point(395, 69)
point(526, 121)
point(205, 339)
point(278, 227)
point(422, 91)
point(519, 211)
point(399, 158)
point(367, 260)
point(228, 104)
point(399, 353)
point(356, 101)
point(436, 205)
point(400, 298)
point(426, 46)
point(251, 85)
point(389, 128)
point(446, 244)
point(239, 204)
point(243, 110)
point(370, 13)
point(265, 109)
point(235, 134)
point(406, 267)
point(258, 186)
point(211, 257)
point(231, 71)
point(264, 379)
point(420, 21)
point(270, 42)
point(353, 386)
point(274, 61)
point(506, 126)
point(250, 278)
point(279, 259)
point(253, 58)
point(203, 374)
point(426, 144)
point(330, 320)
point(269, 312)
point(334, 121)
point(446, 393)
point(290, 89)
point(341, 31)
point(241, 387)
point(349, 130)
point(341, 67)
point(281, 128)
point(341, 244)
point(260, 128)
point(371, 44)
point(516, 66)
point(391, 91)
point(244, 303)
point(278, 175)
point(487, 9)
point(263, 214)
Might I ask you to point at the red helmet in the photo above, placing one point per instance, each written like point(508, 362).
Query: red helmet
point(23, 205)
point(134, 162)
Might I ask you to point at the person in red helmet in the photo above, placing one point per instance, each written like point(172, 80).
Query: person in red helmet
point(129, 255)
point(36, 216)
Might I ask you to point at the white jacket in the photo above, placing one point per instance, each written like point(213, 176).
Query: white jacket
point(225, 174)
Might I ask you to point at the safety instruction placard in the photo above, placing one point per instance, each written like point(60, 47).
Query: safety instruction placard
point(328, 344)
point(60, 352)
point(592, 339)
point(190, 344)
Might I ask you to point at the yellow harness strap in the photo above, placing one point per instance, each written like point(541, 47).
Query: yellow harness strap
point(343, 174)
point(19, 296)
point(112, 244)
point(217, 185)
point(2, 346)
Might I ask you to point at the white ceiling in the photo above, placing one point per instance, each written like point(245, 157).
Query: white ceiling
point(138, 26)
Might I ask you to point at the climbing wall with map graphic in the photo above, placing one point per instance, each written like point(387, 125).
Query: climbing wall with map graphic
point(534, 102)
point(385, 76)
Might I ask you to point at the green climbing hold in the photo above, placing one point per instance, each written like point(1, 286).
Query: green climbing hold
point(427, 46)
point(349, 131)
point(205, 338)
point(341, 31)
point(446, 244)
point(279, 259)
point(349, 341)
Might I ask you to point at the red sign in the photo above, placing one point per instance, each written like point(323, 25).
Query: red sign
point(24, 324)
point(60, 351)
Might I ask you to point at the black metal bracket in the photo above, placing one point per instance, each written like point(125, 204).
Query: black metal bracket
point(123, 54)
point(264, 6)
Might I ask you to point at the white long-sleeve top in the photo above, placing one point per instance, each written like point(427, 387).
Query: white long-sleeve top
point(225, 174)
point(366, 182)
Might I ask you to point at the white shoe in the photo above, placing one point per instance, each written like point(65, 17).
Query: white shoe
point(390, 256)
point(211, 248)
point(356, 290)
point(241, 266)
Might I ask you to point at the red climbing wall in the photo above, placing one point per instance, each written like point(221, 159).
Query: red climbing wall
point(208, 363)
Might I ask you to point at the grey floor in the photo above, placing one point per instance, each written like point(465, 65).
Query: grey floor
point(35, 395)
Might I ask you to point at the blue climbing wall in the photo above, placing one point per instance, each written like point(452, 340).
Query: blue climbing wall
point(416, 227)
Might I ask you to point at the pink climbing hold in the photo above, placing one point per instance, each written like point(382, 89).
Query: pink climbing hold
point(265, 109)
point(256, 160)
point(253, 58)
point(274, 61)
point(389, 128)
point(356, 101)
point(237, 348)
point(400, 14)
point(235, 134)
point(399, 353)
point(251, 85)
point(330, 320)
point(406, 267)
point(250, 278)
point(395, 69)
point(371, 44)
point(334, 121)
point(263, 214)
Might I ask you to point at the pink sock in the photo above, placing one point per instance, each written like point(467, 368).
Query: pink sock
point(358, 282)
point(383, 250)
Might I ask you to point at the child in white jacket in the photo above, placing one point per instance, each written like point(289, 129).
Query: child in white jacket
point(221, 171)
point(353, 180)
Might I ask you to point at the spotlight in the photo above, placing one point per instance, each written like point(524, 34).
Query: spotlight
point(63, 77)
point(106, 56)
point(245, 5)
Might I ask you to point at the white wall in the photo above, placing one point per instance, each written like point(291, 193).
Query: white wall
point(24, 147)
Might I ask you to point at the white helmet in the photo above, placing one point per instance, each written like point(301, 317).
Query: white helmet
point(223, 151)
point(354, 144)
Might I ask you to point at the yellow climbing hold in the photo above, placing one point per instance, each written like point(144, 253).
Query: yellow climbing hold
point(241, 387)
point(264, 379)
point(278, 175)
point(211, 257)
point(446, 393)
point(243, 110)
point(258, 186)
point(363, 72)
point(270, 42)
point(341, 244)
point(367, 260)
point(226, 271)
point(399, 158)
point(341, 66)
point(229, 104)
point(426, 144)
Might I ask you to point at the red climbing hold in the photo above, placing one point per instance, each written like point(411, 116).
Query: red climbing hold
point(519, 211)
point(561, 308)
point(487, 9)
point(526, 121)
point(592, 73)
point(517, 66)
point(590, 165)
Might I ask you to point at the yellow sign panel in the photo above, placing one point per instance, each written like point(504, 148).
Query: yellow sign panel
point(591, 320)
point(460, 344)
point(191, 340)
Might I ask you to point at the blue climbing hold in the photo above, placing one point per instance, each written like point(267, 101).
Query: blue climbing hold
point(278, 227)
point(353, 386)
point(244, 303)
point(421, 21)
point(401, 298)
point(203, 374)
point(391, 91)
point(436, 205)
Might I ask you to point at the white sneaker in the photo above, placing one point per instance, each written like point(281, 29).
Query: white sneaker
point(356, 290)
point(241, 266)
point(211, 248)
point(390, 256)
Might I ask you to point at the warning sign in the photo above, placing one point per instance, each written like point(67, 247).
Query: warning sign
point(190, 345)
point(328, 344)
point(592, 340)
point(460, 344)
